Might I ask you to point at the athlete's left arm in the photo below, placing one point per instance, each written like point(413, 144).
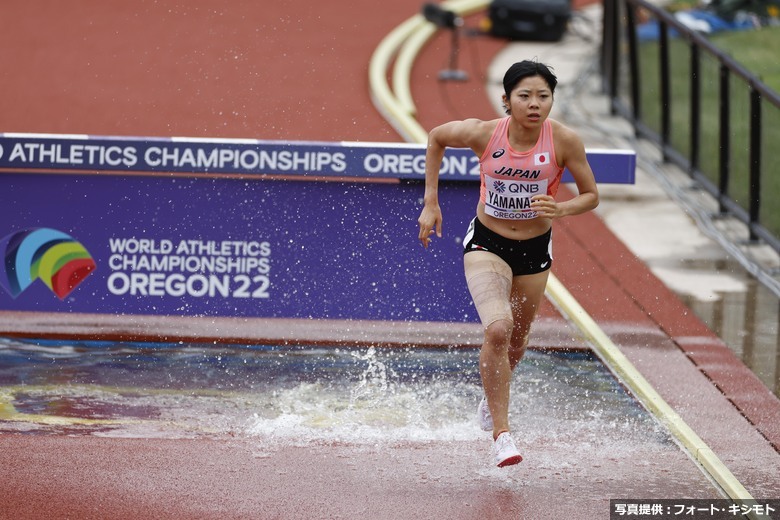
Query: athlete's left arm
point(570, 153)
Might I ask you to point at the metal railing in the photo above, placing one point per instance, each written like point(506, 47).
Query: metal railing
point(709, 115)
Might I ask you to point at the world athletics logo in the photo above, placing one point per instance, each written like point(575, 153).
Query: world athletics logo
point(55, 258)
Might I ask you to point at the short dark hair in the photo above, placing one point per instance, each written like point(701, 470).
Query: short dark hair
point(526, 69)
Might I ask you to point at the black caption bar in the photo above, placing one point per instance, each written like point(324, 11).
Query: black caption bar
point(693, 509)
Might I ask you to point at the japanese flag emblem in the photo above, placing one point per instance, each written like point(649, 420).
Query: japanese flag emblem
point(542, 158)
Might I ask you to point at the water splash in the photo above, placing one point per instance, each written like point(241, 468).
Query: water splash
point(296, 396)
point(374, 381)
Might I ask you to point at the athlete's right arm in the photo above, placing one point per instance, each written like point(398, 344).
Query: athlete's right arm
point(457, 134)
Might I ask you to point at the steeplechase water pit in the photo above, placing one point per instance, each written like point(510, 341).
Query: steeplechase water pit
point(385, 421)
point(310, 395)
point(573, 421)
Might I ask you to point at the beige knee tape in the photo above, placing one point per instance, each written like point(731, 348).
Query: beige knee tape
point(490, 283)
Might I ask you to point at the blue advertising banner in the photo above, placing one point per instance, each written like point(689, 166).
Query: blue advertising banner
point(237, 228)
point(228, 247)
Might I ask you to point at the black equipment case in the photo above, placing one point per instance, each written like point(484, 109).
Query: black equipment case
point(542, 20)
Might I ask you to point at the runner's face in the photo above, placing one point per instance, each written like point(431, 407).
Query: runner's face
point(530, 101)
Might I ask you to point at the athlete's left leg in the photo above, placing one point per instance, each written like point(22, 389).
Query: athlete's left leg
point(526, 298)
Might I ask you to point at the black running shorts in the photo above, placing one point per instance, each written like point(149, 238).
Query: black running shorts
point(523, 256)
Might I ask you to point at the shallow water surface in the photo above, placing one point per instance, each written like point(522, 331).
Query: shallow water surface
point(299, 395)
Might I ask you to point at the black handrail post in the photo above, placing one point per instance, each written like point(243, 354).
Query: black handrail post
point(695, 126)
point(604, 65)
point(614, 62)
point(633, 50)
point(755, 161)
point(724, 138)
point(663, 55)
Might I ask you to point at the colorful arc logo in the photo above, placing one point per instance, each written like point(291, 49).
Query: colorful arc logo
point(56, 258)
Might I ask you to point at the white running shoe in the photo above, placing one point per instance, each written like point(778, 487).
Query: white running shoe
point(505, 451)
point(483, 416)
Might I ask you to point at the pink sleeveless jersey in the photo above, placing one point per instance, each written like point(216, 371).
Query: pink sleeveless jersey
point(509, 178)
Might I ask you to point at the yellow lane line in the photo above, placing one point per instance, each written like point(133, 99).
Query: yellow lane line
point(612, 356)
point(402, 69)
point(383, 98)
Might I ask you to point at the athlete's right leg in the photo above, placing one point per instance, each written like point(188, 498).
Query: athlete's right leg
point(490, 282)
